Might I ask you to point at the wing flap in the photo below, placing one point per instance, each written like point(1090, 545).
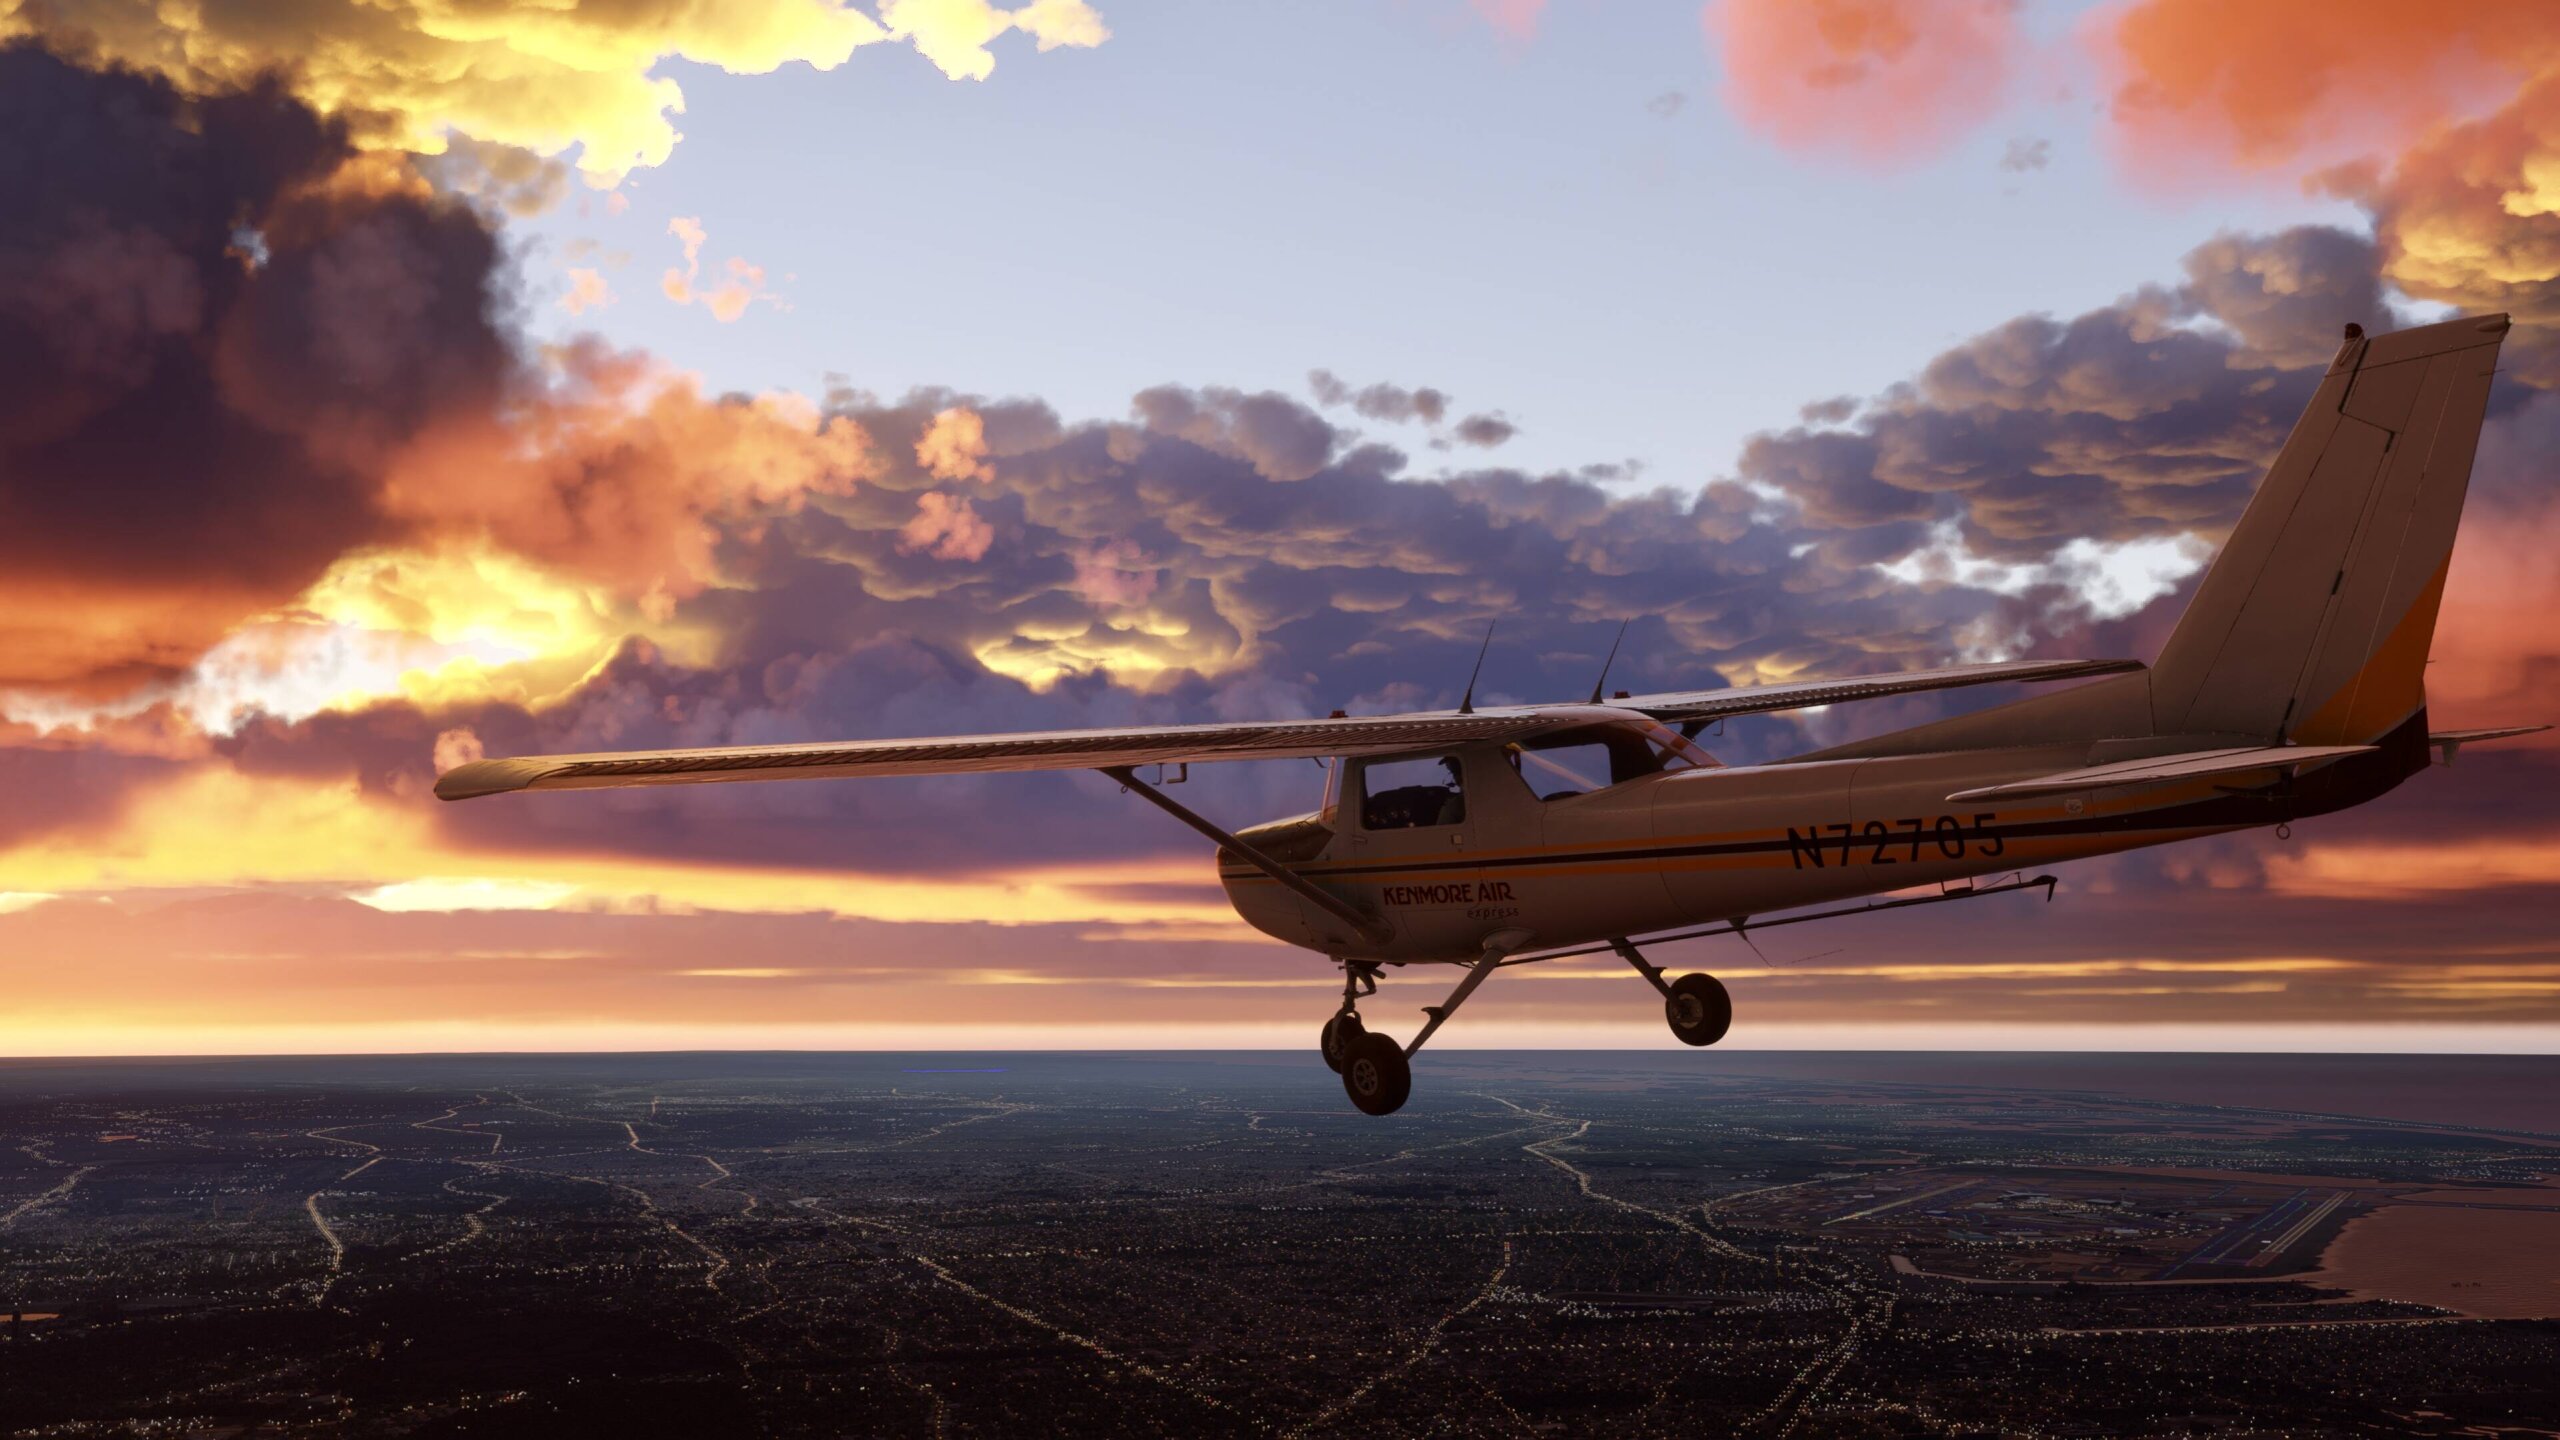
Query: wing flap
point(2161, 769)
point(1805, 694)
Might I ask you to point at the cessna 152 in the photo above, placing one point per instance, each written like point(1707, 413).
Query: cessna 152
point(1488, 837)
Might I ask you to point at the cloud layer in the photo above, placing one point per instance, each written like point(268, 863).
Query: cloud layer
point(542, 78)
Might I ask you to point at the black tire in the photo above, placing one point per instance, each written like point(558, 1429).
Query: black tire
point(1698, 1009)
point(1340, 1033)
point(1375, 1075)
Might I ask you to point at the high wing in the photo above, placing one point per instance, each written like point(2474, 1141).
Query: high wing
point(1182, 744)
point(972, 754)
point(2192, 765)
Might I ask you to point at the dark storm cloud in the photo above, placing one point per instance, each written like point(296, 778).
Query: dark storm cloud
point(2150, 417)
point(204, 348)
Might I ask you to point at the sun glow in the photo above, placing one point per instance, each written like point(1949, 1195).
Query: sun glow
point(453, 625)
point(223, 828)
point(1139, 655)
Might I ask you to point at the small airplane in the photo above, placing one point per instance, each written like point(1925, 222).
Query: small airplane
point(1488, 837)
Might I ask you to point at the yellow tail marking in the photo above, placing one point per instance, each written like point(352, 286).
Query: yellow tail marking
point(2391, 684)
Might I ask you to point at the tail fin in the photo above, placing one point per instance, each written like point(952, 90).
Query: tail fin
point(2314, 622)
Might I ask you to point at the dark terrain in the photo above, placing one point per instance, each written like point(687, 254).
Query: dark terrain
point(1633, 1244)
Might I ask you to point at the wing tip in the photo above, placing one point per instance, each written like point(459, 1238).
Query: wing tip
point(488, 777)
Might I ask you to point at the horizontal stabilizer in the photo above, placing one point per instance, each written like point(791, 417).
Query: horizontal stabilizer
point(2192, 765)
point(2448, 742)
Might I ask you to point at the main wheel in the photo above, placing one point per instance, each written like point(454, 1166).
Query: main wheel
point(1375, 1074)
point(1340, 1033)
point(1698, 1009)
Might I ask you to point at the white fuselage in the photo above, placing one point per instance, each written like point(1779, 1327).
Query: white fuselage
point(1688, 847)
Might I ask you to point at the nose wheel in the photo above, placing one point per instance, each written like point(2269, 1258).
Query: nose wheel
point(1343, 1031)
point(1377, 1069)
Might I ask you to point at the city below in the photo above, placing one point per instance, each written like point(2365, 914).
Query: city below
point(1633, 1244)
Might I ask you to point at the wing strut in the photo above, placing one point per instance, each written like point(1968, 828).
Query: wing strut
point(1367, 927)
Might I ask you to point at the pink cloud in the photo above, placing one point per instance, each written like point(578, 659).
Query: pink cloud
point(587, 291)
point(1516, 19)
point(738, 285)
point(946, 528)
point(1878, 80)
point(1115, 574)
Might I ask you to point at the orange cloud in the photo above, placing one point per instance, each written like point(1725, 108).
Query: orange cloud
point(1879, 80)
point(954, 446)
point(2292, 84)
point(2443, 121)
point(618, 471)
point(2496, 651)
point(2385, 871)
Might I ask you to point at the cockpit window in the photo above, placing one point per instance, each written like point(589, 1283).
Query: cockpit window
point(1594, 757)
point(1411, 794)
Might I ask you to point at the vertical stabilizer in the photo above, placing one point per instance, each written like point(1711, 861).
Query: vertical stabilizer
point(2314, 622)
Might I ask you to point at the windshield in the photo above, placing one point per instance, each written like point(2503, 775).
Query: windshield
point(1675, 750)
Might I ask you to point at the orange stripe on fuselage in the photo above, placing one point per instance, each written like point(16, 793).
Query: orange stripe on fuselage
point(1576, 859)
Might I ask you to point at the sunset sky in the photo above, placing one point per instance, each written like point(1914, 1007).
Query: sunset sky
point(382, 386)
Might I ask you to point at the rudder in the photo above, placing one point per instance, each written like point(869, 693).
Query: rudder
point(2314, 622)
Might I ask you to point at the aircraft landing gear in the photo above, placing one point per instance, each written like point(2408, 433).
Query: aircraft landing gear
point(1697, 1006)
point(1340, 1033)
point(1698, 1009)
point(1376, 1075)
point(1343, 1031)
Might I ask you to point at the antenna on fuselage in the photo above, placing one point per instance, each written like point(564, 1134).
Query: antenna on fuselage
point(1467, 702)
point(1598, 685)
